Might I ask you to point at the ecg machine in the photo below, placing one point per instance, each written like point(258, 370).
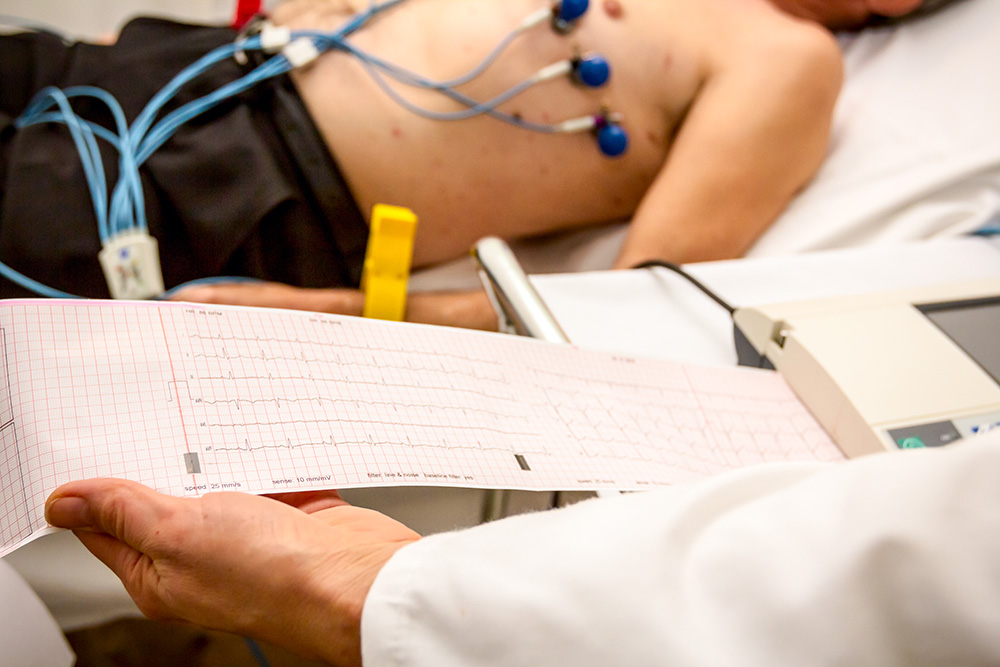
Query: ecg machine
point(896, 370)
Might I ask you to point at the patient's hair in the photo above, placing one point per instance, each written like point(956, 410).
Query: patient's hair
point(927, 7)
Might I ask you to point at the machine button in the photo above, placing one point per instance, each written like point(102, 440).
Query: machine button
point(934, 434)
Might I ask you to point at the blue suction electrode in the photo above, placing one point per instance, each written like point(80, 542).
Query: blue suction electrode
point(566, 13)
point(612, 139)
point(571, 10)
point(591, 70)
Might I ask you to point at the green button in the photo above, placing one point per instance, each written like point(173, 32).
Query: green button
point(913, 442)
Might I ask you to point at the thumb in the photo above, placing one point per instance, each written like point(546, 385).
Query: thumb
point(125, 525)
point(125, 510)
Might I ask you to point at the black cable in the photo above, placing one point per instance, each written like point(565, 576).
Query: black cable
point(746, 353)
point(676, 268)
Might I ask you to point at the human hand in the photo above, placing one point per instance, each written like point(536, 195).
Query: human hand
point(293, 569)
point(276, 295)
point(469, 309)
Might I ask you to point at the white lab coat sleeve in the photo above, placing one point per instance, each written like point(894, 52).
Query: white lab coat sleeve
point(892, 559)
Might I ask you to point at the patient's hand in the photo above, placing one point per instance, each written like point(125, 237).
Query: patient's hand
point(294, 572)
point(469, 309)
point(276, 295)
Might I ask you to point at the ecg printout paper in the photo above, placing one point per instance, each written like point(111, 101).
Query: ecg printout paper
point(190, 399)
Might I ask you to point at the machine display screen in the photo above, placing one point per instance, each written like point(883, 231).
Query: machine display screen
point(974, 326)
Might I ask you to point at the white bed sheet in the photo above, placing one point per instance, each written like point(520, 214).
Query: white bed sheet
point(915, 152)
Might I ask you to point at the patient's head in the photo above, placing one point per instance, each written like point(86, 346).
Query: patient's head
point(839, 14)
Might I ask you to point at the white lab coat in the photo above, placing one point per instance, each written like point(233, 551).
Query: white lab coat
point(892, 559)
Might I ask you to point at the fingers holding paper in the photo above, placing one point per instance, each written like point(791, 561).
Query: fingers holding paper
point(285, 573)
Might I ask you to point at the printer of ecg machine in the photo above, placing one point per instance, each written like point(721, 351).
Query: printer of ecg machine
point(884, 371)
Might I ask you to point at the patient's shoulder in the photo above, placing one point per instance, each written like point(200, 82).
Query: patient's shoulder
point(777, 46)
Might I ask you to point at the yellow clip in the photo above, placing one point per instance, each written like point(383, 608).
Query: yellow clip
point(387, 262)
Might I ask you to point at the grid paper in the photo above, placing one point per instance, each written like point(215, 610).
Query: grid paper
point(190, 399)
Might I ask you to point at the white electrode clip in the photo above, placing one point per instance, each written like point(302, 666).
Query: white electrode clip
point(300, 52)
point(561, 68)
point(274, 38)
point(131, 264)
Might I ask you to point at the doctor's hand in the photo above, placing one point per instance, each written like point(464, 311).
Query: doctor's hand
point(468, 309)
point(292, 569)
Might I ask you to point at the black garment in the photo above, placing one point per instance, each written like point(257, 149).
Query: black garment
point(246, 189)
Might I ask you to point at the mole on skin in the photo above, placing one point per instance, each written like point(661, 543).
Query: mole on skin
point(613, 9)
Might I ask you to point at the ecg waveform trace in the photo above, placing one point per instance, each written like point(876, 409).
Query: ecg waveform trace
point(191, 399)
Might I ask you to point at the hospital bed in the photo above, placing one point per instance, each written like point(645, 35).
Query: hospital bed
point(915, 156)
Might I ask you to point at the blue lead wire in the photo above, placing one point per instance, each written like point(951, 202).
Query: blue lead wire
point(337, 40)
point(86, 146)
point(474, 108)
point(148, 115)
point(175, 119)
point(33, 285)
point(129, 188)
point(361, 20)
point(143, 138)
point(135, 144)
point(374, 66)
point(92, 163)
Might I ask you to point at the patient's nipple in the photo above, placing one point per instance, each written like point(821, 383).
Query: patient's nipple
point(613, 8)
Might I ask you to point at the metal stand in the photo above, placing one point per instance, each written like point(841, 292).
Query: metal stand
point(521, 311)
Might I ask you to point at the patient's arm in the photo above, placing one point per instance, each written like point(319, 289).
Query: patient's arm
point(754, 136)
point(459, 309)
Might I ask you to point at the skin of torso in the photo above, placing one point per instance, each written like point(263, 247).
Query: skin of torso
point(471, 178)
